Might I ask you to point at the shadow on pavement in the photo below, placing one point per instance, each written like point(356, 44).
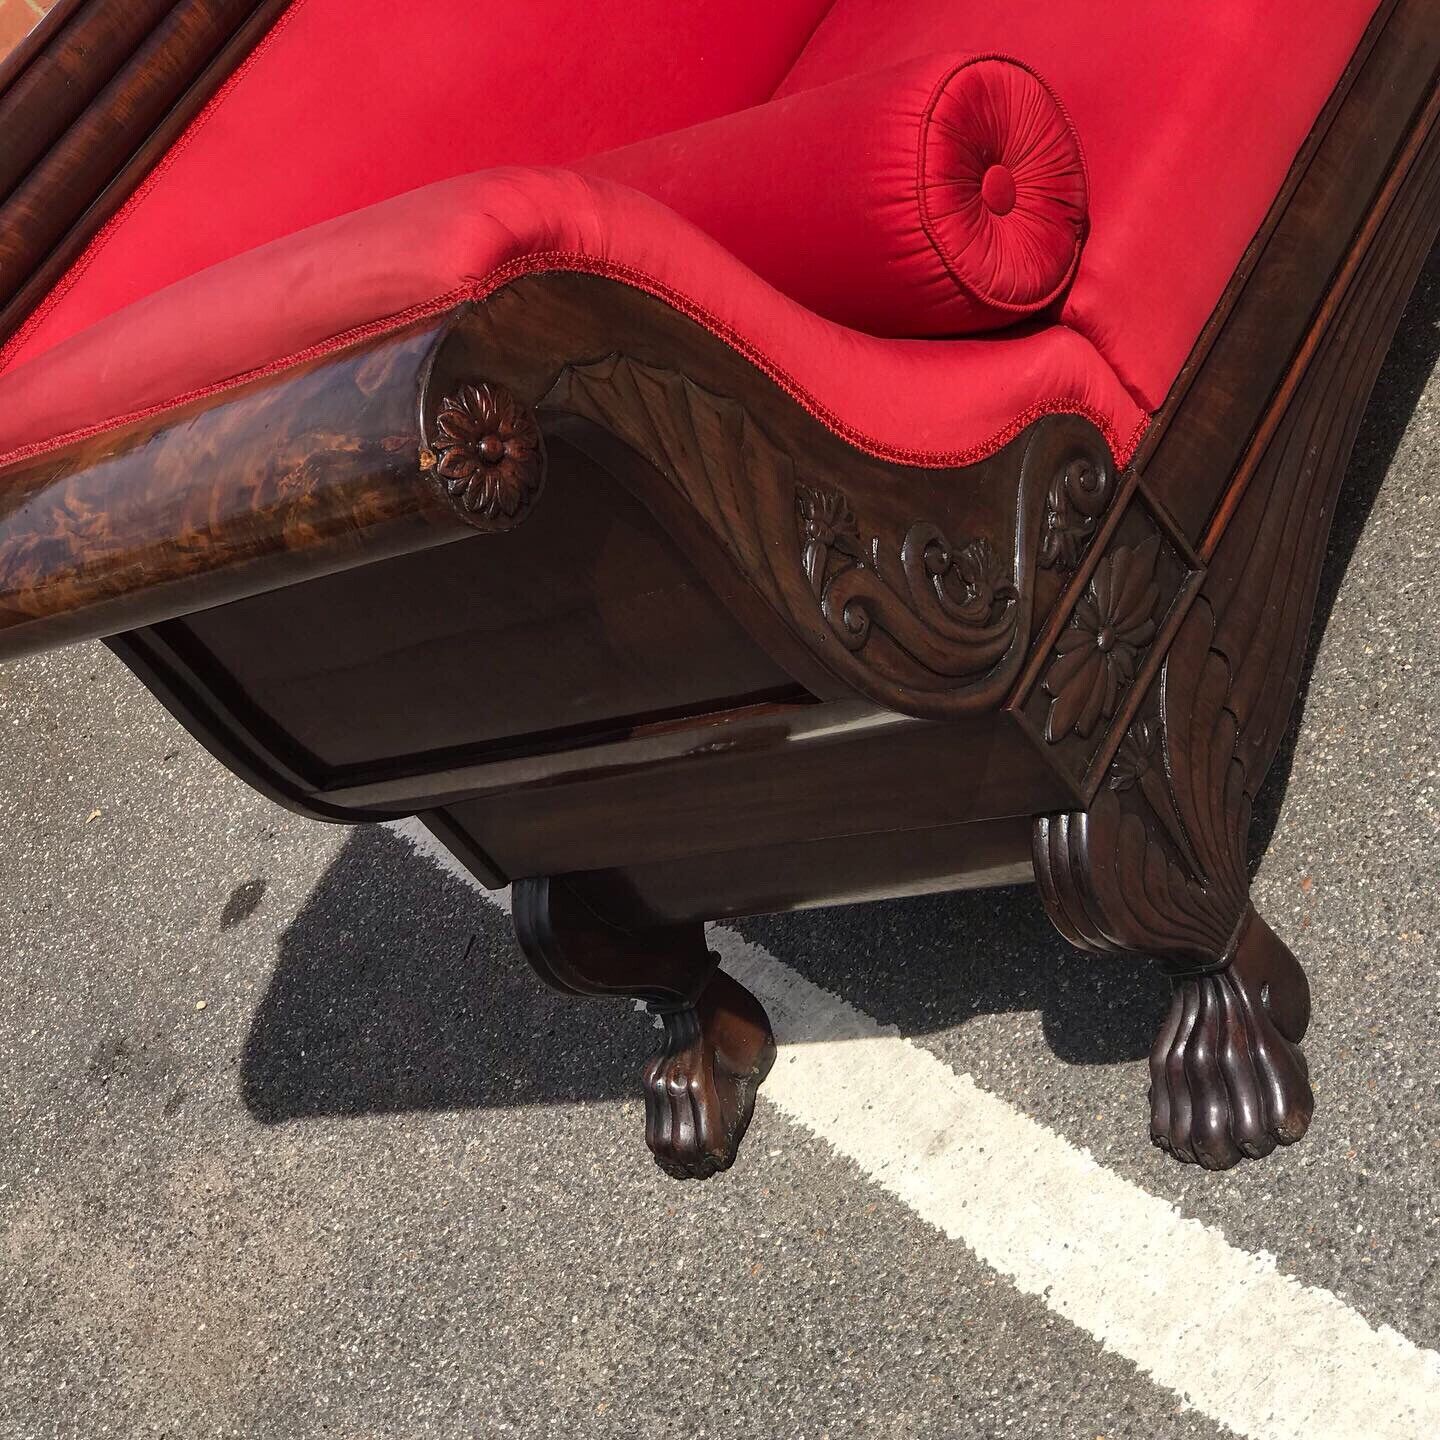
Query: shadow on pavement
point(399, 988)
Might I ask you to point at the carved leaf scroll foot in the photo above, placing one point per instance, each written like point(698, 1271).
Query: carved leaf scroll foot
point(1228, 1080)
point(700, 1086)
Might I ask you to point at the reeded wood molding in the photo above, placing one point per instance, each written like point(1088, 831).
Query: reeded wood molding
point(278, 481)
point(33, 43)
point(91, 151)
point(51, 93)
point(123, 109)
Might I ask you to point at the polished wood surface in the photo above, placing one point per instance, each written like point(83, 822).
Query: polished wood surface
point(46, 99)
point(89, 110)
point(718, 1047)
point(23, 44)
point(264, 485)
point(1158, 861)
point(412, 664)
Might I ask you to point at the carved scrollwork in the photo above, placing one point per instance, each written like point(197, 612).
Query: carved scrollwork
point(1078, 497)
point(924, 624)
point(488, 454)
point(953, 610)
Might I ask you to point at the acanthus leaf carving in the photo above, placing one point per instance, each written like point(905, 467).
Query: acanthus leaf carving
point(953, 615)
point(953, 610)
point(1077, 499)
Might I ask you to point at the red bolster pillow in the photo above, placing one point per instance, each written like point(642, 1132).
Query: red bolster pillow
point(944, 196)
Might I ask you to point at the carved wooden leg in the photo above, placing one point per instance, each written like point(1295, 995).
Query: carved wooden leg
point(718, 1047)
point(1228, 1080)
point(1157, 863)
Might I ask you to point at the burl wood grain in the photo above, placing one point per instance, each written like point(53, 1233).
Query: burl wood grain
point(276, 482)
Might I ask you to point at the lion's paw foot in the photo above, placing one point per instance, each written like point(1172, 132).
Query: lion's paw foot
point(1228, 1079)
point(700, 1088)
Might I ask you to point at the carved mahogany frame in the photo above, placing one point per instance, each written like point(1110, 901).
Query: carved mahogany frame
point(1034, 636)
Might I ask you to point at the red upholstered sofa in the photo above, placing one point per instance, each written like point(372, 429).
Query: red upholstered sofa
point(715, 457)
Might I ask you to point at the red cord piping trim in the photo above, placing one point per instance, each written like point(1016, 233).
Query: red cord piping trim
point(63, 286)
point(1123, 447)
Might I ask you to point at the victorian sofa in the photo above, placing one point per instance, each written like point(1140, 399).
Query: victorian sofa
point(707, 458)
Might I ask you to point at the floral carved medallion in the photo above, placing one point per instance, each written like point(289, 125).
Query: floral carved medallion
point(489, 453)
point(1097, 654)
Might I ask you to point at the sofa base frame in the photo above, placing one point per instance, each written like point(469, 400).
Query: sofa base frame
point(889, 678)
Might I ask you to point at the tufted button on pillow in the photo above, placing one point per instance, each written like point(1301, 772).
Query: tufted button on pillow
point(943, 196)
point(997, 189)
point(1002, 185)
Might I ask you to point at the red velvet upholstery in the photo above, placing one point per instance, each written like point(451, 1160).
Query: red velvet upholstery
point(1190, 115)
point(352, 101)
point(942, 196)
point(926, 402)
point(1187, 120)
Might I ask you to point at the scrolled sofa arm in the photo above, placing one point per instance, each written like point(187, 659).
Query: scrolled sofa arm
point(943, 196)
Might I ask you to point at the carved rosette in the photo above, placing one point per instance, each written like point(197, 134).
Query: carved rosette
point(1078, 497)
point(488, 455)
point(1083, 690)
point(1097, 653)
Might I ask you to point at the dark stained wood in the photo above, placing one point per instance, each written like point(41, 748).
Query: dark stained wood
point(948, 653)
point(299, 479)
point(410, 664)
point(700, 1086)
point(794, 875)
point(1096, 660)
point(814, 545)
point(49, 97)
point(42, 208)
point(802, 780)
point(1360, 256)
point(1157, 863)
point(914, 586)
point(36, 40)
point(115, 141)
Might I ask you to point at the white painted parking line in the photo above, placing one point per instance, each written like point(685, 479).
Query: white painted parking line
point(1237, 1340)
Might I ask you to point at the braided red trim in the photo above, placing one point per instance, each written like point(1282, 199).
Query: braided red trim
point(102, 237)
point(1122, 446)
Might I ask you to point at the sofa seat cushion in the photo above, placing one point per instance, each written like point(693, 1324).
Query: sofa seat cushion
point(348, 102)
point(1191, 115)
point(943, 196)
point(924, 402)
